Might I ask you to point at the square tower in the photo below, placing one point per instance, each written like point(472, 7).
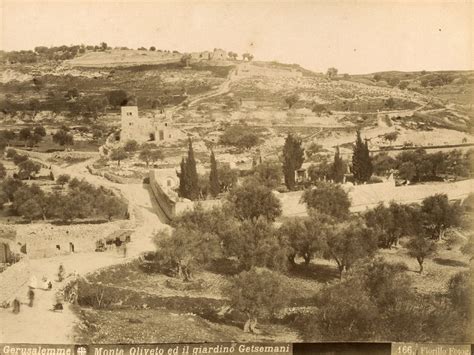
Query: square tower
point(131, 125)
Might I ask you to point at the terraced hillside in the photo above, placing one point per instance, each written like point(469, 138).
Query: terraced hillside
point(422, 107)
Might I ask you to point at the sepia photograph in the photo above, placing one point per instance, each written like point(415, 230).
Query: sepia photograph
point(236, 173)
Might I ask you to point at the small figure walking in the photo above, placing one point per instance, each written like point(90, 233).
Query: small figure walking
point(31, 297)
point(125, 250)
point(61, 273)
point(16, 306)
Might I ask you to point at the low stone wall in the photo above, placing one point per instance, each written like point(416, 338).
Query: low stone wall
point(41, 239)
point(362, 196)
point(111, 177)
point(369, 196)
point(58, 154)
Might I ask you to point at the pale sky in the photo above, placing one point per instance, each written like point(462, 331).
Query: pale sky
point(353, 36)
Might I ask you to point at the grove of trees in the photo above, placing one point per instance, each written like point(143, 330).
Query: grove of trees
point(239, 136)
point(377, 302)
point(418, 165)
point(243, 233)
point(80, 200)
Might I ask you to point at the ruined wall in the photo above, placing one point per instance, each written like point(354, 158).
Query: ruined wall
point(41, 239)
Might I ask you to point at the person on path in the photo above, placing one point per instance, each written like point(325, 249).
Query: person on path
point(16, 306)
point(31, 297)
point(61, 273)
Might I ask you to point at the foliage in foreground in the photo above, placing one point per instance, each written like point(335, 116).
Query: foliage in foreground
point(376, 302)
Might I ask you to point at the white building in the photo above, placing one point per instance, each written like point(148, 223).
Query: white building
point(155, 128)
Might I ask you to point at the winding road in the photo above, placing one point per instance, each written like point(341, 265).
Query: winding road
point(38, 324)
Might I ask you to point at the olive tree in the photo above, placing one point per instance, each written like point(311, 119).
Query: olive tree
point(257, 293)
point(348, 242)
point(252, 200)
point(420, 247)
point(186, 251)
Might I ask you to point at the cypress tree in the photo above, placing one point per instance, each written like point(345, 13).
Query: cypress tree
point(214, 185)
point(182, 191)
point(192, 179)
point(361, 161)
point(369, 168)
point(338, 168)
point(293, 157)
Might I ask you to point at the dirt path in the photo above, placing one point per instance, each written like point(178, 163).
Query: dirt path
point(41, 325)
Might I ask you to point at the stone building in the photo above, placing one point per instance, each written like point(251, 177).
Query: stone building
point(219, 54)
point(156, 128)
point(216, 54)
point(8, 248)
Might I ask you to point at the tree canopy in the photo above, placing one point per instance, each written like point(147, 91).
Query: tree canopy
point(257, 293)
point(239, 136)
point(118, 154)
point(62, 137)
point(338, 168)
point(350, 241)
point(361, 160)
point(214, 184)
point(328, 198)
point(185, 250)
point(252, 200)
point(293, 158)
point(269, 173)
point(188, 176)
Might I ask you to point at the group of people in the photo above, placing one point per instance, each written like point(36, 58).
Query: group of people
point(46, 285)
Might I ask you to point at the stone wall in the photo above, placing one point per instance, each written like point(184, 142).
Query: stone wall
point(41, 239)
point(170, 207)
point(369, 196)
point(112, 177)
point(58, 155)
point(166, 204)
point(362, 196)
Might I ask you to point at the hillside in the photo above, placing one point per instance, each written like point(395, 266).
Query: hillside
point(116, 57)
point(425, 108)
